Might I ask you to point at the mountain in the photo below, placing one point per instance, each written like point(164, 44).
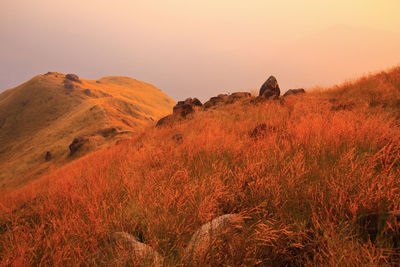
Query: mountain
point(40, 118)
point(305, 180)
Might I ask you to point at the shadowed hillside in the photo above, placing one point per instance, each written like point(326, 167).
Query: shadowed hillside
point(40, 119)
point(310, 179)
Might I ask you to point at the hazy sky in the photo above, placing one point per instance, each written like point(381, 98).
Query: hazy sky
point(199, 48)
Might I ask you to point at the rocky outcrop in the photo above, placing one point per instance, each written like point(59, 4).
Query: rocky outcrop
point(183, 108)
point(144, 254)
point(76, 144)
point(73, 77)
point(294, 92)
point(226, 99)
point(216, 100)
point(270, 89)
point(68, 84)
point(202, 238)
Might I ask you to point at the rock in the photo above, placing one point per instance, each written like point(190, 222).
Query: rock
point(143, 253)
point(216, 100)
point(76, 144)
point(48, 156)
point(201, 240)
point(88, 92)
point(183, 110)
point(167, 120)
point(186, 107)
point(240, 95)
point(270, 89)
point(73, 77)
point(178, 138)
point(69, 85)
point(98, 81)
point(294, 92)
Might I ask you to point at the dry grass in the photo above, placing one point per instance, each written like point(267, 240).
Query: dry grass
point(301, 187)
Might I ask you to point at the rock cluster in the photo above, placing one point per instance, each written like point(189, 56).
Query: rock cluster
point(69, 81)
point(269, 91)
point(73, 77)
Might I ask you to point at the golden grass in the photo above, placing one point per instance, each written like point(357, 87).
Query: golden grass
point(301, 187)
point(41, 115)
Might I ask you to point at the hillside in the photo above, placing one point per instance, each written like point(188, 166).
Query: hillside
point(46, 113)
point(311, 179)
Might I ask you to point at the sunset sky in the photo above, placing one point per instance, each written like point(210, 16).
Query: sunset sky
point(200, 48)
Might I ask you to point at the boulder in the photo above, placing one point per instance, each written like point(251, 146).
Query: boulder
point(76, 144)
point(183, 108)
point(270, 89)
point(88, 92)
point(68, 84)
point(202, 238)
point(73, 77)
point(216, 100)
point(167, 120)
point(144, 254)
point(294, 92)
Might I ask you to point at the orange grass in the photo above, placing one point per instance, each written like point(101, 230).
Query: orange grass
point(300, 188)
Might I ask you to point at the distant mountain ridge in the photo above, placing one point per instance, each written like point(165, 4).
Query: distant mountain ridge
point(40, 118)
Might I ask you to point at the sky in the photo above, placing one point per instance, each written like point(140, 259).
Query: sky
point(193, 48)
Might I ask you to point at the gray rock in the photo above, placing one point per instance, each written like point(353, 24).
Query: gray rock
point(270, 89)
point(202, 238)
point(142, 252)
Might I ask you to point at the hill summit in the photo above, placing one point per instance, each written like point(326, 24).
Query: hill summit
point(54, 117)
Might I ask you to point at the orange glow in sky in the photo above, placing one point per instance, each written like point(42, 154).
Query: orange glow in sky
point(200, 48)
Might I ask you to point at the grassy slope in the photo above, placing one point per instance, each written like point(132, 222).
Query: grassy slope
point(40, 115)
point(328, 158)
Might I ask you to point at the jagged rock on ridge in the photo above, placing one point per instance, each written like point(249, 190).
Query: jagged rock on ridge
point(270, 89)
point(73, 77)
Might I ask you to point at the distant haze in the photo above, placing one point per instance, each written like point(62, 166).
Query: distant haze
point(199, 48)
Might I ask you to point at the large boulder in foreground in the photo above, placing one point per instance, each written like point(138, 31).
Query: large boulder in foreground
point(270, 89)
point(202, 239)
point(142, 253)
